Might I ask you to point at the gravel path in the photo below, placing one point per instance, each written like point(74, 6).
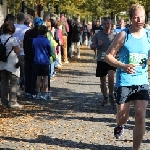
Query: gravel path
point(72, 120)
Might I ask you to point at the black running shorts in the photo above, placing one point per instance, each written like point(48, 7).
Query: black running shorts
point(103, 68)
point(41, 69)
point(125, 94)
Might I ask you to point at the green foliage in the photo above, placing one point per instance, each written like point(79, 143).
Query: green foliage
point(82, 7)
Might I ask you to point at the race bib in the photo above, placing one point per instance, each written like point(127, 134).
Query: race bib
point(137, 59)
point(103, 55)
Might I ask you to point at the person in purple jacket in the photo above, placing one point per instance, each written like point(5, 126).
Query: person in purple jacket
point(42, 53)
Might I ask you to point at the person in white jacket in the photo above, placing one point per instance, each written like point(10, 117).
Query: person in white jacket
point(8, 72)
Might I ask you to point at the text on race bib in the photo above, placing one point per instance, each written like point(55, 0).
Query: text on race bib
point(137, 59)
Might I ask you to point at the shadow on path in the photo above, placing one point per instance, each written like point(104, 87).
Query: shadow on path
point(65, 143)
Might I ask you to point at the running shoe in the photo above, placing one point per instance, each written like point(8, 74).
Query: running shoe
point(78, 56)
point(118, 131)
point(15, 106)
point(105, 101)
point(28, 95)
point(46, 96)
point(66, 62)
point(38, 96)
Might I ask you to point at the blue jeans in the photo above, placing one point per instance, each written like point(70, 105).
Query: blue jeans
point(30, 78)
point(89, 41)
point(52, 69)
point(81, 40)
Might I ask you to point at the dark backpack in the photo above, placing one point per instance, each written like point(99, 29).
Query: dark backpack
point(3, 56)
point(56, 37)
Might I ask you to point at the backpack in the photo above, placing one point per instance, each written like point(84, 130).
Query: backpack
point(56, 37)
point(3, 56)
point(64, 32)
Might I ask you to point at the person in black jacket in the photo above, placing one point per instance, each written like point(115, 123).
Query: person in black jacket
point(69, 35)
point(30, 76)
point(75, 39)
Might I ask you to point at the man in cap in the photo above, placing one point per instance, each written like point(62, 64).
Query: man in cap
point(30, 78)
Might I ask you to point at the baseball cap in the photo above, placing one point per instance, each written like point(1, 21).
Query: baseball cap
point(38, 21)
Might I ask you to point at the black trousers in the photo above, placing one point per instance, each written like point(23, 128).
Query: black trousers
point(30, 78)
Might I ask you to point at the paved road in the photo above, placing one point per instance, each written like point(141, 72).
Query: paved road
point(72, 120)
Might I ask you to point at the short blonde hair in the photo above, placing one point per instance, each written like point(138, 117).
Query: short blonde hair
point(134, 8)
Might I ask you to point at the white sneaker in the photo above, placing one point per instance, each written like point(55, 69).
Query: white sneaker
point(16, 106)
point(66, 62)
point(58, 66)
point(78, 56)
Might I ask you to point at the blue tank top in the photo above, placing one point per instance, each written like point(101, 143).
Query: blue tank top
point(134, 51)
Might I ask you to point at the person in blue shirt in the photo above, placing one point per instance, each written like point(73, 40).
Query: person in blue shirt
point(120, 26)
point(132, 82)
point(42, 52)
